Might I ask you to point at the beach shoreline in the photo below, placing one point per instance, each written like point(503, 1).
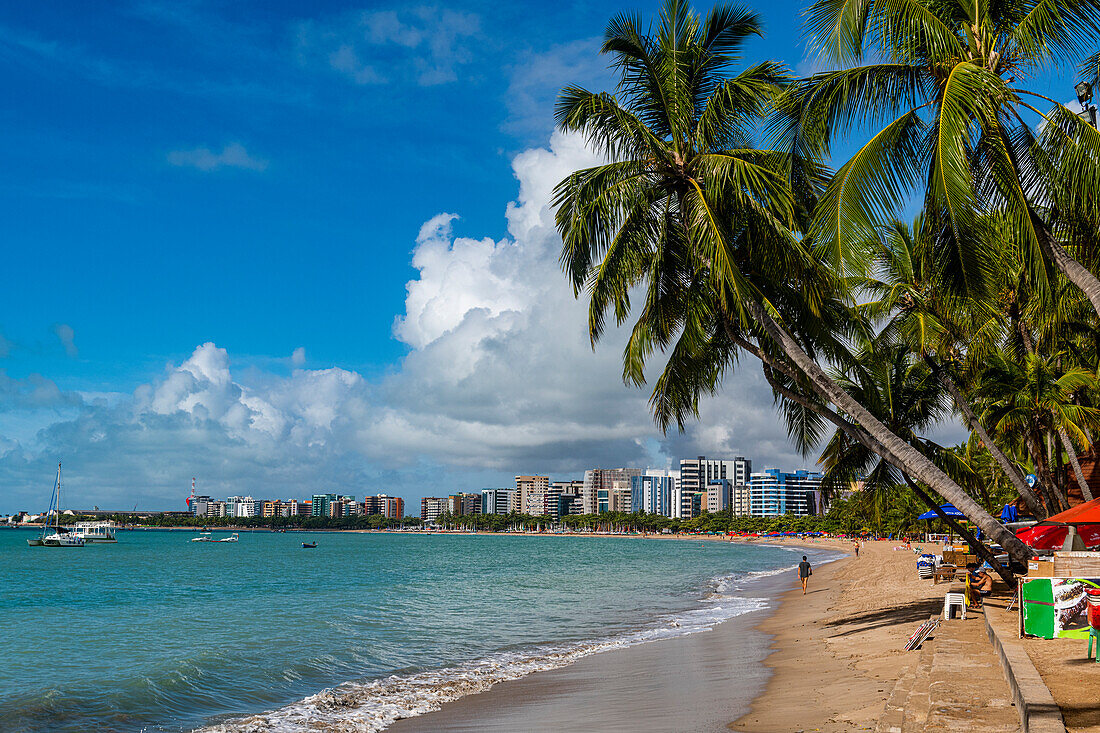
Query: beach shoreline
point(694, 682)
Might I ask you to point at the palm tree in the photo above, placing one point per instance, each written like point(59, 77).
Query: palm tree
point(945, 81)
point(907, 296)
point(1033, 399)
point(699, 222)
point(905, 394)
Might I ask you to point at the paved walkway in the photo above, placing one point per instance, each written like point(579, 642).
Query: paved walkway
point(955, 683)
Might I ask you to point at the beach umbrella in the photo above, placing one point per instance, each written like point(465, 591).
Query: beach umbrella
point(1082, 520)
point(947, 509)
point(1053, 537)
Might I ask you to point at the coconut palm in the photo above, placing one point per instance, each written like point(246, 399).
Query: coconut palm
point(904, 393)
point(693, 219)
point(943, 85)
point(907, 297)
point(1033, 399)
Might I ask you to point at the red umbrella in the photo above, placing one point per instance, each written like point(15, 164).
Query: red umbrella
point(1052, 537)
point(1051, 532)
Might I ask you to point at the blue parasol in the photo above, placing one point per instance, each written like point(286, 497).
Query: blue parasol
point(948, 509)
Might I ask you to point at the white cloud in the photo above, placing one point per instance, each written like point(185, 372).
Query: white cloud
point(500, 379)
point(65, 335)
point(425, 44)
point(232, 155)
point(536, 78)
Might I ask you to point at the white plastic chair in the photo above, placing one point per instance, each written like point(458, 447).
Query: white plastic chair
point(954, 599)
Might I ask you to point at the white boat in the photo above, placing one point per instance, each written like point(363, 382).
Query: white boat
point(63, 539)
point(96, 533)
point(205, 537)
point(61, 536)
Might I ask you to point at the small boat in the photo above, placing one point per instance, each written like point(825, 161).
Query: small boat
point(308, 545)
point(205, 537)
point(60, 537)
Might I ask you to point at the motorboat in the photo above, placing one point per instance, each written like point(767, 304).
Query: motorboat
point(96, 533)
point(205, 537)
point(308, 545)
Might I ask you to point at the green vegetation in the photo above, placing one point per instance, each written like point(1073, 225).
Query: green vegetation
point(718, 228)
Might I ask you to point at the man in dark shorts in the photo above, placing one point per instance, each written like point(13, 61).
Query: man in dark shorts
point(804, 573)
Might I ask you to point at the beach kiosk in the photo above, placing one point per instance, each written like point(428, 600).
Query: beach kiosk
point(1056, 592)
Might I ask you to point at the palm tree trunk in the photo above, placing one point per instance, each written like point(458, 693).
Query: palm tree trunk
point(1046, 481)
point(1010, 469)
point(975, 544)
point(1071, 454)
point(1077, 273)
point(903, 455)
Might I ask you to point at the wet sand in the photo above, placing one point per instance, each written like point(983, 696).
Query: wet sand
point(698, 682)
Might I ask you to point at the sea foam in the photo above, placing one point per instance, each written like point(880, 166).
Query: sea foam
point(366, 707)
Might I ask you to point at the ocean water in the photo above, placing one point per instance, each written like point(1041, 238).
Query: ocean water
point(158, 633)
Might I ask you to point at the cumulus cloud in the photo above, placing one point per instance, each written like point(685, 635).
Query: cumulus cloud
point(232, 155)
point(500, 378)
point(65, 335)
point(426, 44)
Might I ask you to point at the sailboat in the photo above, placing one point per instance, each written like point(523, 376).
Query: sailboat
point(60, 537)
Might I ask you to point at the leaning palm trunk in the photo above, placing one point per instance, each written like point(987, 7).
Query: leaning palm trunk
point(897, 451)
point(1010, 469)
point(861, 436)
point(975, 544)
point(1071, 454)
point(1074, 271)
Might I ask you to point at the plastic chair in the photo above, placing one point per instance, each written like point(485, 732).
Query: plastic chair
point(954, 599)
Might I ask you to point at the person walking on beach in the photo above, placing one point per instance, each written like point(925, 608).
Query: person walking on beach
point(804, 573)
point(856, 545)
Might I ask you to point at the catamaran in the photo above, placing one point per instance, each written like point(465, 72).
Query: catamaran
point(60, 537)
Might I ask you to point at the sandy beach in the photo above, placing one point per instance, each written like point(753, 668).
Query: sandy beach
point(831, 659)
point(698, 682)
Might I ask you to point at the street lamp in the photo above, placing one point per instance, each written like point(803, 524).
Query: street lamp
point(1084, 96)
point(1084, 92)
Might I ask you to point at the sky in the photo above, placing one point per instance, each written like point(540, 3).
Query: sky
point(287, 248)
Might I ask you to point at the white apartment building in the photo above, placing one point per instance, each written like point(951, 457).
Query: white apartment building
point(530, 496)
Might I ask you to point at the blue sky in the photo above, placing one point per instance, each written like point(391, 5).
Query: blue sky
point(279, 246)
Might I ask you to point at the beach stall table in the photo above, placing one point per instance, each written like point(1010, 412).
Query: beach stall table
point(1056, 592)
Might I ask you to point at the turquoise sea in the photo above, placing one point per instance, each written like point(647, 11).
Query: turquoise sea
point(158, 633)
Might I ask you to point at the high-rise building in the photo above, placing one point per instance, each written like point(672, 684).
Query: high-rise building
point(696, 475)
point(393, 507)
point(496, 501)
point(773, 493)
point(322, 505)
point(530, 496)
point(199, 506)
point(463, 503)
point(652, 493)
point(599, 485)
point(240, 506)
point(719, 495)
point(431, 508)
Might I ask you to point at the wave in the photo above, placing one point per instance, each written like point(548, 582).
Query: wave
point(366, 707)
